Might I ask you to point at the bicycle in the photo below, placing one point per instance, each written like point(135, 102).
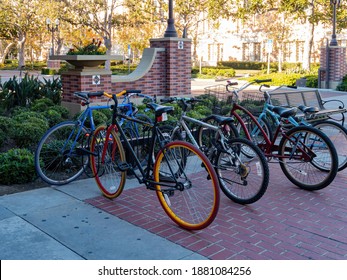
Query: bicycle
point(300, 159)
point(62, 154)
point(242, 179)
point(181, 175)
point(335, 131)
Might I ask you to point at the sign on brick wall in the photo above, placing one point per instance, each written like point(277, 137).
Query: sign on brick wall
point(180, 45)
point(96, 79)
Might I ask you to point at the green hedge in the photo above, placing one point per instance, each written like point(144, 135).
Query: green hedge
point(343, 85)
point(213, 72)
point(257, 65)
point(288, 79)
point(17, 167)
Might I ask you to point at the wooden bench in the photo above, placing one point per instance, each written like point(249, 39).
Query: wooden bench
point(310, 98)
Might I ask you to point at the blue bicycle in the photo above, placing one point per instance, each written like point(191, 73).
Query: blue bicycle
point(62, 154)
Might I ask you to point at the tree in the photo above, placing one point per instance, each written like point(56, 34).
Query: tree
point(139, 22)
point(8, 34)
point(310, 12)
point(97, 15)
point(22, 18)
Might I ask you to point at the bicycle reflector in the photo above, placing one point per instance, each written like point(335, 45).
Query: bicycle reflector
point(162, 117)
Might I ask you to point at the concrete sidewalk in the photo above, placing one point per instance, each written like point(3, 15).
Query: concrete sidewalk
point(56, 223)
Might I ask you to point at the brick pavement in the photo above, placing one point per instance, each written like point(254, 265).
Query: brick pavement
point(286, 223)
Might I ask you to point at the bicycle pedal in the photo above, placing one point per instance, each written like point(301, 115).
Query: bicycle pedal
point(124, 166)
point(84, 152)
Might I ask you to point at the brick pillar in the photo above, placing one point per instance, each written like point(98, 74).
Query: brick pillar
point(178, 64)
point(81, 80)
point(335, 65)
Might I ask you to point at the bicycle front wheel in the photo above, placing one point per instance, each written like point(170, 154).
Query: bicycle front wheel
point(61, 154)
point(338, 136)
point(243, 179)
point(308, 158)
point(106, 155)
point(187, 185)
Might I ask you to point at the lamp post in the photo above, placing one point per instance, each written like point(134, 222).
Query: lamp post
point(52, 28)
point(335, 4)
point(170, 30)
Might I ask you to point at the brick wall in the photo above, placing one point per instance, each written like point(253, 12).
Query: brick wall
point(170, 74)
point(73, 82)
point(337, 67)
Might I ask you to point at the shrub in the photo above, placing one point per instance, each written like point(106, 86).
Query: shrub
point(27, 129)
point(53, 113)
point(213, 72)
point(23, 92)
point(42, 104)
point(312, 81)
point(343, 85)
point(16, 92)
point(5, 123)
point(52, 89)
point(53, 117)
point(3, 137)
point(49, 71)
point(17, 167)
point(279, 79)
point(90, 49)
point(98, 117)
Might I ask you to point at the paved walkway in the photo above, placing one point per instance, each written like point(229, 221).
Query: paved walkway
point(75, 222)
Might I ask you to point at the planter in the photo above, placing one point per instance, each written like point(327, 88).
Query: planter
point(86, 61)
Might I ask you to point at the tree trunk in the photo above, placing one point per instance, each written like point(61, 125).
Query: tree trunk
point(6, 52)
point(280, 55)
point(306, 63)
point(21, 50)
point(108, 45)
point(60, 42)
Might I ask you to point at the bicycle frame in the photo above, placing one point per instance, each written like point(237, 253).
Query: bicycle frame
point(182, 123)
point(269, 147)
point(86, 114)
point(145, 172)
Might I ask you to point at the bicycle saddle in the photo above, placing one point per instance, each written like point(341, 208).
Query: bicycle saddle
point(283, 112)
point(219, 119)
point(159, 109)
point(306, 109)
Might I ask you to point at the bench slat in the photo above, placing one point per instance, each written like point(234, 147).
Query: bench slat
point(294, 98)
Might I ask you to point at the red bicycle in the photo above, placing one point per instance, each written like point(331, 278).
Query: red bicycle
point(305, 164)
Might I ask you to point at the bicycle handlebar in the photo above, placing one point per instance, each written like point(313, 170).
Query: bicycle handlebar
point(235, 91)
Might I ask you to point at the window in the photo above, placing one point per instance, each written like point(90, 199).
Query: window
point(215, 52)
point(257, 51)
point(251, 51)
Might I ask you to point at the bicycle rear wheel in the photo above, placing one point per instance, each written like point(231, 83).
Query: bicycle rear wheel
point(62, 154)
point(206, 136)
point(104, 162)
point(192, 203)
point(338, 136)
point(139, 137)
point(319, 168)
point(243, 179)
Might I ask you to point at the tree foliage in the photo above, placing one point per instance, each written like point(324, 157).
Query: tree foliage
point(131, 22)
